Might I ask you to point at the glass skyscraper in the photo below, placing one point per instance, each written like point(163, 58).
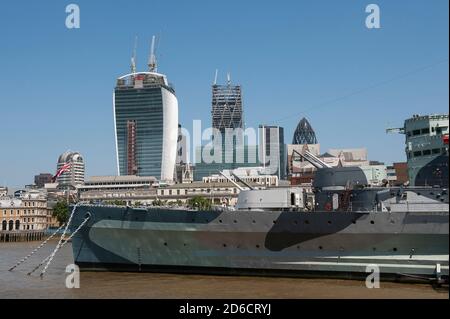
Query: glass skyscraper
point(146, 125)
point(272, 150)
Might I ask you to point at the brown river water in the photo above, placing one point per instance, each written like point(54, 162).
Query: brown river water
point(17, 284)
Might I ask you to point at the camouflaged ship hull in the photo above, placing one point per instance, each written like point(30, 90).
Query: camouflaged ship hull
point(337, 244)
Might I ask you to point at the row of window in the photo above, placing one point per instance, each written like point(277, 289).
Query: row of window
point(434, 151)
point(25, 212)
point(423, 131)
point(185, 191)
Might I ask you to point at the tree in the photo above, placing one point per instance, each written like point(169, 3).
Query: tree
point(158, 202)
point(118, 202)
point(61, 212)
point(199, 202)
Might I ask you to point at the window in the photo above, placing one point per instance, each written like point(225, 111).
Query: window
point(436, 151)
point(425, 131)
point(426, 152)
point(416, 132)
point(417, 154)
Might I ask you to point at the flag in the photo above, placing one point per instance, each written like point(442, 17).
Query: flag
point(59, 172)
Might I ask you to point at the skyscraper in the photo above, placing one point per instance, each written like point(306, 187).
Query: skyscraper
point(272, 150)
point(304, 133)
point(233, 149)
point(146, 123)
point(226, 109)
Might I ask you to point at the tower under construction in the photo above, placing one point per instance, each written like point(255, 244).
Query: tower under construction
point(226, 106)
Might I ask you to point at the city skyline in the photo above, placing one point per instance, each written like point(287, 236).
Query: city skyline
point(300, 64)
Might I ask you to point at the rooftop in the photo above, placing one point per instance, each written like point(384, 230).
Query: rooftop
point(121, 179)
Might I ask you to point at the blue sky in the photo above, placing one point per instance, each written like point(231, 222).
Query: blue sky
point(293, 58)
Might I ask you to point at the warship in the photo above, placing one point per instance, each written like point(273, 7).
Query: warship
point(351, 226)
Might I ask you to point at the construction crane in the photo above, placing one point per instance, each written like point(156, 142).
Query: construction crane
point(152, 59)
point(133, 58)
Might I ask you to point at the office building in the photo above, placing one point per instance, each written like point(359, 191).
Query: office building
point(70, 170)
point(272, 150)
point(146, 123)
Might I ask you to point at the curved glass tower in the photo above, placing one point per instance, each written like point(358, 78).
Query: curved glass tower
point(304, 133)
point(146, 125)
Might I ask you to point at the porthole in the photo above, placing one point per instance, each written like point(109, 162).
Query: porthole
point(235, 221)
point(372, 222)
point(320, 247)
point(165, 244)
point(257, 246)
point(374, 249)
point(224, 245)
point(220, 221)
point(395, 249)
point(274, 221)
point(329, 222)
point(306, 222)
point(254, 222)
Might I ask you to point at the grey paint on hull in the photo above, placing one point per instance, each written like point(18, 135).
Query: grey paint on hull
point(278, 241)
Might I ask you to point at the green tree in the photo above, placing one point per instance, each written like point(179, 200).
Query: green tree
point(199, 202)
point(61, 212)
point(119, 202)
point(158, 202)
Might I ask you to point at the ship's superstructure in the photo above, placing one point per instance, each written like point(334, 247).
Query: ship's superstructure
point(427, 149)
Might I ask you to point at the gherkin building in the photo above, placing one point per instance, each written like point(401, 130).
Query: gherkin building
point(304, 133)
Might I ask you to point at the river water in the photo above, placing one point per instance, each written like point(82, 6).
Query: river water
point(18, 284)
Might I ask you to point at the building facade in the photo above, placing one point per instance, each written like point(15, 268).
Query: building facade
point(227, 110)
point(42, 179)
point(272, 150)
point(230, 158)
point(145, 110)
point(71, 168)
point(304, 133)
point(30, 212)
point(251, 175)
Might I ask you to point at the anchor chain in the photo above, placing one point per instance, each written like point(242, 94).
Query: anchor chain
point(49, 258)
point(35, 250)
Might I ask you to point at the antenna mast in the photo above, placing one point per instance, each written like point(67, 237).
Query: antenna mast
point(152, 59)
